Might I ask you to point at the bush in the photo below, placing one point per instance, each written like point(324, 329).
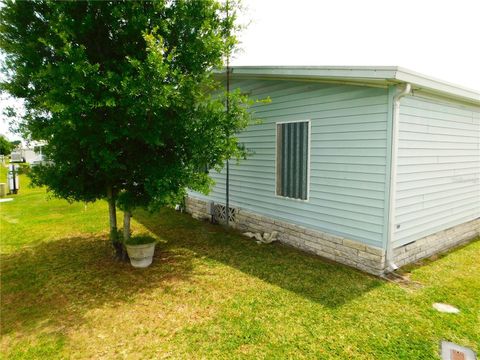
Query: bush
point(140, 240)
point(24, 169)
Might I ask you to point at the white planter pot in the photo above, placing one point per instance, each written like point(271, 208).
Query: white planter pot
point(141, 256)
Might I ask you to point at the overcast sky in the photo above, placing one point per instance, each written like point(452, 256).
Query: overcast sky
point(439, 38)
point(436, 37)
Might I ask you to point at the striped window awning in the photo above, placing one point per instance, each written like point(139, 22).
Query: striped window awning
point(292, 159)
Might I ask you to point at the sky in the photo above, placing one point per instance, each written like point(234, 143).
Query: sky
point(439, 38)
point(434, 37)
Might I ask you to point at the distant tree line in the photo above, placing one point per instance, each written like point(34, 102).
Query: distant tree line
point(6, 147)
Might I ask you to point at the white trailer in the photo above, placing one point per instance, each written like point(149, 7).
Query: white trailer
point(31, 155)
point(17, 156)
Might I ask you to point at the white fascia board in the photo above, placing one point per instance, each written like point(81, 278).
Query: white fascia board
point(321, 72)
point(437, 86)
point(361, 75)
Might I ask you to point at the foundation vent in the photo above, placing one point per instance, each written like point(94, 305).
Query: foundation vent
point(220, 213)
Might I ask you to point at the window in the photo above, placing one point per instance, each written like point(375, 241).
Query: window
point(292, 159)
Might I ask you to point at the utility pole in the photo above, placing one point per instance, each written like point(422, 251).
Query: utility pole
point(227, 178)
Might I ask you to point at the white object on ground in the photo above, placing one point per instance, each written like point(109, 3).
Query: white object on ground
point(452, 351)
point(445, 308)
point(6, 200)
point(258, 237)
point(266, 238)
point(141, 256)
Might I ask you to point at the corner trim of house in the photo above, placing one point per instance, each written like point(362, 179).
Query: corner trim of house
point(388, 174)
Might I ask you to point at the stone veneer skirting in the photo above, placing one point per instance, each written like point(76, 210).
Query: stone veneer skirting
point(437, 243)
point(367, 258)
point(352, 253)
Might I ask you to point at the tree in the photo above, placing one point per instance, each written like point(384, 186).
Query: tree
point(6, 147)
point(121, 91)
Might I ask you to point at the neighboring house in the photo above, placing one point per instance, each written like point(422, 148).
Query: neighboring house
point(373, 167)
point(31, 154)
point(17, 155)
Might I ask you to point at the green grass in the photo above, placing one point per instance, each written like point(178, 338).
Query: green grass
point(211, 293)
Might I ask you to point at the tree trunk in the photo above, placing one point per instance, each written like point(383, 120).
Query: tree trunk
point(126, 233)
point(118, 246)
point(126, 225)
point(112, 212)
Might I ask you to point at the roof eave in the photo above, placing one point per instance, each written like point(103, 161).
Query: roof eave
point(435, 86)
point(368, 75)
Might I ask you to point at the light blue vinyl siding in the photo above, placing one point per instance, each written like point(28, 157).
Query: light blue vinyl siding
point(438, 179)
point(347, 157)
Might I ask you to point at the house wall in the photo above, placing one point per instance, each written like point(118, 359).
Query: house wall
point(438, 174)
point(348, 158)
point(31, 156)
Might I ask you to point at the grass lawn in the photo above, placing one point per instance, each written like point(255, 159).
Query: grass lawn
point(211, 293)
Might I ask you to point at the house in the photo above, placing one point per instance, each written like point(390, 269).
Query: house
point(31, 154)
point(373, 167)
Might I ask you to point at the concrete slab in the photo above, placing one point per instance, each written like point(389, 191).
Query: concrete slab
point(452, 351)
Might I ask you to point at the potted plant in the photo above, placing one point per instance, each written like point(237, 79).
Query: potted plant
point(140, 250)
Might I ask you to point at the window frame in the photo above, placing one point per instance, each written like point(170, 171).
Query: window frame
point(309, 128)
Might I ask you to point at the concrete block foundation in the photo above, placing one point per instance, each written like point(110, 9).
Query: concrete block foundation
point(437, 243)
point(364, 257)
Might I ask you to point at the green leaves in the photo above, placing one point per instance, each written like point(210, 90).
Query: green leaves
point(122, 93)
point(6, 146)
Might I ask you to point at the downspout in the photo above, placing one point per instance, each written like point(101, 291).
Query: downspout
point(389, 258)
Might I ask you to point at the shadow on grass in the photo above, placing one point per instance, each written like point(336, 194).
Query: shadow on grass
point(53, 284)
point(329, 284)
